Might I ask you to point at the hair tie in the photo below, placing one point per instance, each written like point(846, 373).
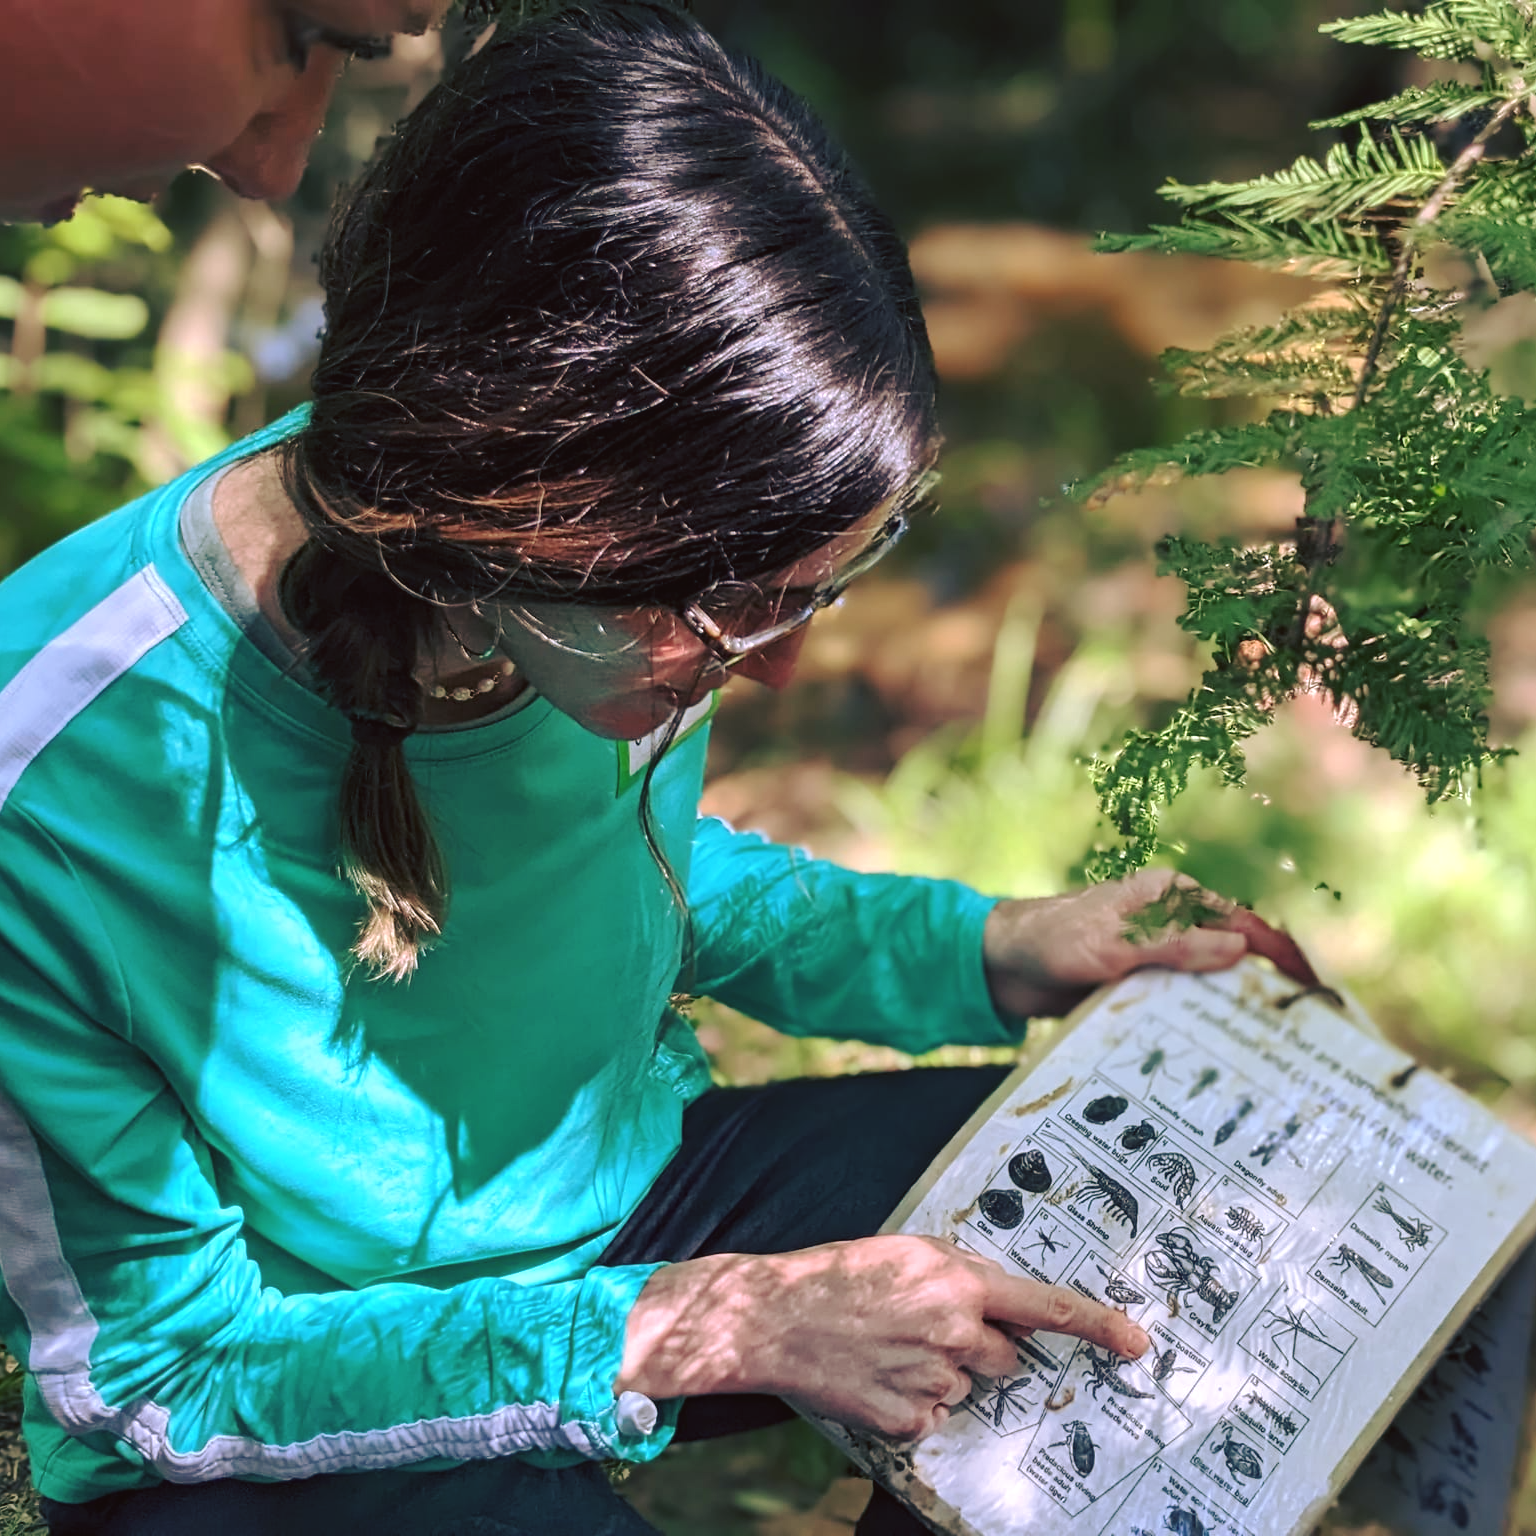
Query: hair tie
point(368, 731)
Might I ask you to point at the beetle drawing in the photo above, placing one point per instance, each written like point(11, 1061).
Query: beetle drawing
point(1119, 1203)
point(1183, 1522)
point(1181, 1270)
point(1346, 1259)
point(1081, 1446)
point(1414, 1233)
point(1107, 1107)
point(1178, 1171)
point(1134, 1137)
point(1242, 1460)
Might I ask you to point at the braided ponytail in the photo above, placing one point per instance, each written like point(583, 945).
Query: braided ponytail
point(363, 637)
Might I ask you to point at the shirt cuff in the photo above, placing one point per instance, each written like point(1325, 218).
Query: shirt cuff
point(626, 1425)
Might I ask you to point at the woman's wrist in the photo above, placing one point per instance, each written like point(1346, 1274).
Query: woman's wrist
point(697, 1327)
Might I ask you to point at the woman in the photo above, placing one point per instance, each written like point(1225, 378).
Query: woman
point(361, 1177)
point(120, 98)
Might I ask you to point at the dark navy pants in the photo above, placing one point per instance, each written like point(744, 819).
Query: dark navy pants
point(760, 1170)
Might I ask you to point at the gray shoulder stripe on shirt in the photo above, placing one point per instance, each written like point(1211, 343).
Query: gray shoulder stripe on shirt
point(77, 665)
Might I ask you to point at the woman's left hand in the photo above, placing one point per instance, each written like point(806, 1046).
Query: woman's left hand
point(1044, 955)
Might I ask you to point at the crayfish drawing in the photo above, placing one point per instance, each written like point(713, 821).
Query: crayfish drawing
point(1179, 1268)
point(1414, 1233)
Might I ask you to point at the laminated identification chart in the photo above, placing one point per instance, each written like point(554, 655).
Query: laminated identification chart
point(1298, 1217)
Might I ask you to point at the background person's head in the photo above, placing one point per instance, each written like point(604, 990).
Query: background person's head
point(610, 323)
point(120, 95)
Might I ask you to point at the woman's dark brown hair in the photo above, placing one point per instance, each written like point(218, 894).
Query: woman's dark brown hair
point(610, 321)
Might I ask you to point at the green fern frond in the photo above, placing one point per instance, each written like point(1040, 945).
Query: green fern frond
point(1442, 102)
point(1210, 452)
point(1507, 246)
point(1323, 249)
point(1374, 173)
point(1452, 29)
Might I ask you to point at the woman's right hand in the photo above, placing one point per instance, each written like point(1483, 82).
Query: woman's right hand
point(884, 1333)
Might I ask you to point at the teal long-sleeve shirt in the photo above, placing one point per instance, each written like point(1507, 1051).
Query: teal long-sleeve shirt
point(261, 1216)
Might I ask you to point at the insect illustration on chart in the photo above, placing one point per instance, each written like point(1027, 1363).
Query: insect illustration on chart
point(1118, 1289)
point(1148, 1065)
point(1103, 1371)
point(1115, 1201)
point(1347, 1259)
point(1228, 1127)
point(1166, 1366)
point(1414, 1233)
point(1003, 1398)
point(1002, 1207)
point(1204, 1079)
point(1276, 1142)
point(1134, 1137)
point(1284, 1424)
point(1030, 1171)
point(1043, 1241)
point(1242, 1460)
point(1183, 1522)
point(1178, 1171)
point(1245, 1223)
point(1181, 1270)
point(1288, 1327)
point(1081, 1447)
point(1106, 1108)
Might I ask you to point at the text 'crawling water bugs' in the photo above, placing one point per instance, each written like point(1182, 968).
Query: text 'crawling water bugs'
point(1081, 1447)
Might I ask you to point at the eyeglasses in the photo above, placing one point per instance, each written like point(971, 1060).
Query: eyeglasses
point(730, 649)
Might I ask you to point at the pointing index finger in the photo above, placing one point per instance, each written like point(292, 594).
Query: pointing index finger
point(1019, 1303)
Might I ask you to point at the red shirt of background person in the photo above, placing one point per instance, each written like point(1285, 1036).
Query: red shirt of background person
point(120, 95)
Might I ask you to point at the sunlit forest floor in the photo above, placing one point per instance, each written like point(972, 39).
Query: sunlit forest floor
point(940, 719)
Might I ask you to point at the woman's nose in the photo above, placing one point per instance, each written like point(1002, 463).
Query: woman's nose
point(269, 157)
point(775, 664)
